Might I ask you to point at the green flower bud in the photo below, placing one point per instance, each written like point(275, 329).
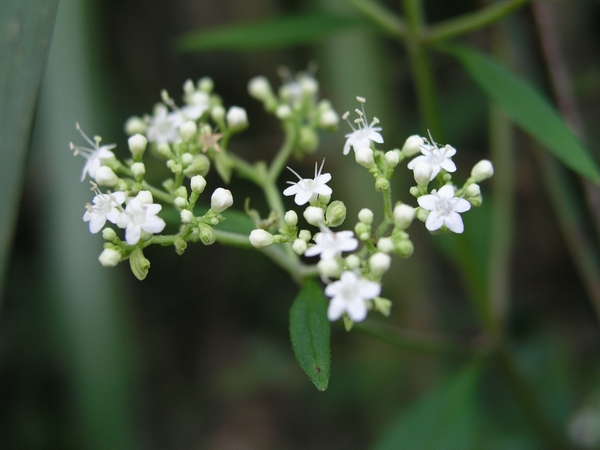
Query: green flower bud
point(329, 268)
point(309, 140)
point(383, 305)
point(291, 218)
point(207, 234)
point(108, 234)
point(299, 246)
point(305, 235)
point(352, 262)
point(180, 245)
point(365, 216)
point(336, 213)
point(139, 264)
point(135, 125)
point(362, 231)
point(199, 166)
point(139, 170)
point(188, 130)
point(164, 150)
point(186, 216)
point(137, 146)
point(206, 84)
point(404, 248)
point(381, 184)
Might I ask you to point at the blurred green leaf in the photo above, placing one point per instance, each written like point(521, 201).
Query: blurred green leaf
point(26, 32)
point(446, 418)
point(268, 34)
point(523, 104)
point(309, 332)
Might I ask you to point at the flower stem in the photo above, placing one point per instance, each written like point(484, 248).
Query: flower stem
point(386, 20)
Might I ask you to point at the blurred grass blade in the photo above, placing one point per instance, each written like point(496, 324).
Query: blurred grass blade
point(27, 29)
point(266, 35)
point(310, 331)
point(523, 104)
point(446, 418)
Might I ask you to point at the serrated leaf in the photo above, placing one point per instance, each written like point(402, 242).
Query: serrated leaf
point(445, 418)
point(310, 332)
point(528, 108)
point(268, 34)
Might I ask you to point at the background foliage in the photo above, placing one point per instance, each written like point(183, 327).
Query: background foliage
point(198, 355)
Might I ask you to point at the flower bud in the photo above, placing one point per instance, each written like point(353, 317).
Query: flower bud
point(309, 139)
point(207, 234)
point(139, 264)
point(403, 216)
point(329, 120)
point(365, 216)
point(199, 166)
point(197, 184)
point(291, 218)
point(305, 235)
point(364, 157)
point(109, 257)
point(138, 169)
point(299, 246)
point(314, 215)
point(180, 245)
point(206, 84)
point(180, 202)
point(188, 130)
point(385, 244)
point(329, 268)
point(105, 176)
point(308, 85)
point(482, 170)
point(352, 262)
point(383, 305)
point(186, 216)
point(260, 238)
point(237, 119)
point(145, 197)
point(137, 146)
point(404, 248)
point(259, 88)
point(381, 184)
point(220, 200)
point(336, 213)
point(362, 231)
point(379, 263)
point(108, 234)
point(473, 190)
point(412, 146)
point(135, 125)
point(164, 150)
point(217, 113)
point(187, 159)
point(283, 112)
point(392, 158)
point(422, 173)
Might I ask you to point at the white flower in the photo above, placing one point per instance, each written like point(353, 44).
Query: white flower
point(437, 158)
point(105, 207)
point(365, 133)
point(349, 294)
point(331, 245)
point(444, 209)
point(140, 214)
point(164, 125)
point(95, 156)
point(197, 104)
point(306, 190)
point(220, 200)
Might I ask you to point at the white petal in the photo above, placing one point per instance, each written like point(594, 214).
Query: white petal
point(429, 201)
point(454, 222)
point(446, 191)
point(153, 224)
point(448, 165)
point(461, 205)
point(133, 233)
point(303, 197)
point(369, 289)
point(434, 221)
point(357, 310)
point(96, 223)
point(291, 190)
point(376, 137)
point(336, 308)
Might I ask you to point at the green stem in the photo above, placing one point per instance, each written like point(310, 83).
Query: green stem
point(419, 342)
point(245, 169)
point(471, 22)
point(385, 19)
point(158, 193)
point(421, 68)
point(278, 163)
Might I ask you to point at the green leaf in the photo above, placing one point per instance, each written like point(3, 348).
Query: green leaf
point(528, 108)
point(26, 33)
point(309, 331)
point(446, 418)
point(266, 35)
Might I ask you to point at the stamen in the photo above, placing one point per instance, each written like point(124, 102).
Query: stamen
point(359, 112)
point(361, 99)
point(320, 168)
point(294, 172)
point(345, 116)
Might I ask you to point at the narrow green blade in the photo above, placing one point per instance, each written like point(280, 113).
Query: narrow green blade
point(526, 106)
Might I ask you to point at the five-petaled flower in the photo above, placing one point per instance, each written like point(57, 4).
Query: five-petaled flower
point(140, 214)
point(444, 208)
point(365, 133)
point(437, 158)
point(106, 206)
point(331, 245)
point(350, 295)
point(163, 127)
point(306, 189)
point(95, 156)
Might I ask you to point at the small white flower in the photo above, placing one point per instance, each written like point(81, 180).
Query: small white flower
point(306, 190)
point(95, 156)
point(437, 158)
point(444, 209)
point(105, 207)
point(350, 294)
point(237, 119)
point(164, 125)
point(365, 133)
point(331, 245)
point(197, 104)
point(140, 214)
point(220, 200)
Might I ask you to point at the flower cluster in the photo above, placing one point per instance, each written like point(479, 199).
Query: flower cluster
point(351, 271)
